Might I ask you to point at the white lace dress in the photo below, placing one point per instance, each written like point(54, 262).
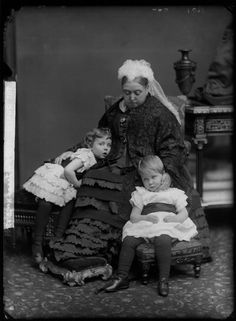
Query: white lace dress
point(174, 196)
point(49, 182)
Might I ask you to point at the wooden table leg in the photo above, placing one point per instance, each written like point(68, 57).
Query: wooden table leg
point(199, 168)
point(199, 140)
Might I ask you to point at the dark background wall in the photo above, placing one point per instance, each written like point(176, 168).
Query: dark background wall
point(67, 60)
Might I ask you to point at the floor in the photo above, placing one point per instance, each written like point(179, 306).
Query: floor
point(29, 293)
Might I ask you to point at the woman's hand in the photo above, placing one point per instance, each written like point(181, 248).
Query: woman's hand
point(63, 156)
point(153, 219)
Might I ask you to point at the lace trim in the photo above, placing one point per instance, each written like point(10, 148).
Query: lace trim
point(104, 184)
point(100, 205)
point(58, 197)
point(85, 201)
point(50, 187)
point(50, 180)
point(86, 156)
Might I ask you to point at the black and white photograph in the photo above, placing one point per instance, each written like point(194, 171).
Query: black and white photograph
point(118, 192)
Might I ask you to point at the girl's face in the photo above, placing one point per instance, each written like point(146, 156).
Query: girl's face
point(101, 147)
point(134, 94)
point(152, 180)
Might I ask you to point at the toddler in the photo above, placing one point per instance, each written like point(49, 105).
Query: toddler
point(158, 215)
point(57, 184)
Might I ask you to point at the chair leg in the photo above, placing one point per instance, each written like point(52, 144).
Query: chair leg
point(145, 271)
point(197, 269)
point(197, 266)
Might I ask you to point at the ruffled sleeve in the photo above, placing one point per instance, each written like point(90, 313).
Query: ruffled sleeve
point(86, 156)
point(137, 198)
point(179, 199)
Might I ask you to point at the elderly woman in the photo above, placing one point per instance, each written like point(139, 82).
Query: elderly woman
point(142, 122)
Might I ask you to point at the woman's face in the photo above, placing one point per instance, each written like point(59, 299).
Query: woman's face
point(134, 94)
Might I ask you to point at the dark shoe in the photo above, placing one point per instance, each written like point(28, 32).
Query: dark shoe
point(163, 287)
point(118, 284)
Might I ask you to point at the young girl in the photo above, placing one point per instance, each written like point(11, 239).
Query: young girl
point(158, 215)
point(57, 184)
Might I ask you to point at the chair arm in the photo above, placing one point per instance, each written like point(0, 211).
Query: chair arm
point(110, 100)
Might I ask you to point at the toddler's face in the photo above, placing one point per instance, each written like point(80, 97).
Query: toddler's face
point(101, 147)
point(152, 180)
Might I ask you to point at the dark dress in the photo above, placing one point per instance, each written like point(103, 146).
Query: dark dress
point(102, 206)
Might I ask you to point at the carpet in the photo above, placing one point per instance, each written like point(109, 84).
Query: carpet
point(31, 294)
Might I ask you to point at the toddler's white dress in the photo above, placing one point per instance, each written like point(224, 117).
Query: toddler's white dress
point(49, 182)
point(174, 196)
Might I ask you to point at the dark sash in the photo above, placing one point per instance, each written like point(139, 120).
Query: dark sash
point(158, 207)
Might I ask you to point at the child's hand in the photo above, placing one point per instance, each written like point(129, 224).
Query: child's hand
point(63, 156)
point(169, 219)
point(78, 184)
point(153, 219)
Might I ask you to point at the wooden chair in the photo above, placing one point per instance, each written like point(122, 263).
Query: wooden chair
point(25, 209)
point(24, 216)
point(182, 252)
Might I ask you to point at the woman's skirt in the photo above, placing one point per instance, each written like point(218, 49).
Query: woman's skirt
point(85, 238)
point(101, 209)
point(198, 216)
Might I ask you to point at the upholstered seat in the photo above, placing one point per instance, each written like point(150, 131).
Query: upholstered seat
point(181, 253)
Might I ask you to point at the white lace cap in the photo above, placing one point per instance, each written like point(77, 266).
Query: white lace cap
point(135, 68)
point(141, 68)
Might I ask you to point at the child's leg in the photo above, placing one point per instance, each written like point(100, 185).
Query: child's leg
point(64, 218)
point(42, 216)
point(162, 246)
point(127, 254)
point(126, 258)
